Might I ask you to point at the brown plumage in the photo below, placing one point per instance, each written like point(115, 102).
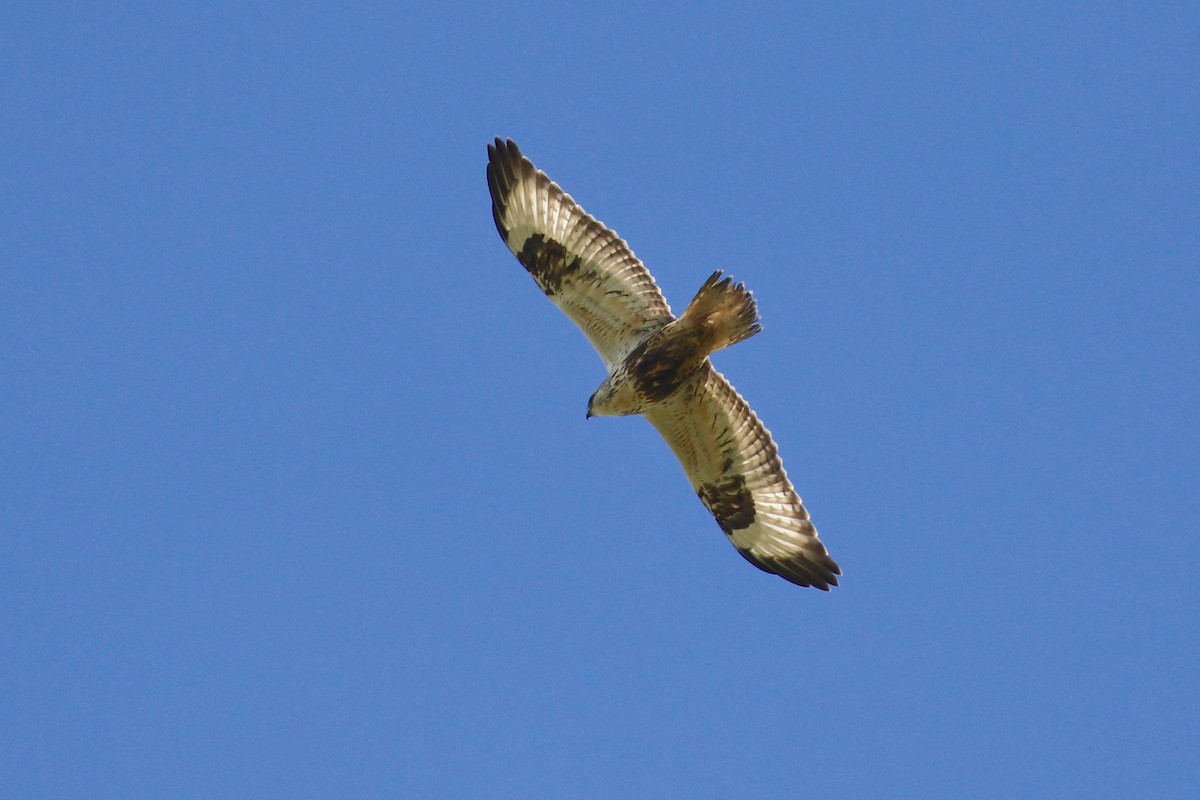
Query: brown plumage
point(658, 364)
point(721, 314)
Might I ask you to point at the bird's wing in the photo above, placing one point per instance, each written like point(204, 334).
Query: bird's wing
point(734, 467)
point(585, 268)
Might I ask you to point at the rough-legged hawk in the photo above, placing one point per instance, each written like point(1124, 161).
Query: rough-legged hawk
point(658, 364)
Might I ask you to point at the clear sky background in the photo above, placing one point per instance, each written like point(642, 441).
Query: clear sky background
point(297, 497)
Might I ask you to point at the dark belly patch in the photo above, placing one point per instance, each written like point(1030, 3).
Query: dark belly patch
point(661, 364)
point(660, 375)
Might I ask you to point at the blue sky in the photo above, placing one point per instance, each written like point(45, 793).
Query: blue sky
point(297, 498)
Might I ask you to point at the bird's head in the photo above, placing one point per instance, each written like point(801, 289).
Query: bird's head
point(600, 401)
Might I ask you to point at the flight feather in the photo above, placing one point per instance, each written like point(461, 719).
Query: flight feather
point(586, 269)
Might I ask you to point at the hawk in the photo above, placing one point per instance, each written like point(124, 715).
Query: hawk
point(658, 364)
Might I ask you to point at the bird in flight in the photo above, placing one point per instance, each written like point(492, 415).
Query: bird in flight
point(658, 364)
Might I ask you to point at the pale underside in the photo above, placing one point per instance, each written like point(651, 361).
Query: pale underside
point(727, 454)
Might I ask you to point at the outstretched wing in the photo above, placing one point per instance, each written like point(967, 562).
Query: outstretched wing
point(734, 467)
point(586, 269)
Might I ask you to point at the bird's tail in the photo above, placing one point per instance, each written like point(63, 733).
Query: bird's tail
point(723, 312)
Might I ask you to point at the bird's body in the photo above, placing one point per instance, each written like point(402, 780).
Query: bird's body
point(658, 364)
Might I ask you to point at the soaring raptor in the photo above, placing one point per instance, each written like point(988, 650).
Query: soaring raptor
point(658, 364)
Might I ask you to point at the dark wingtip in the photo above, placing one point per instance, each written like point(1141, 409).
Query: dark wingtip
point(817, 574)
point(506, 148)
point(502, 155)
